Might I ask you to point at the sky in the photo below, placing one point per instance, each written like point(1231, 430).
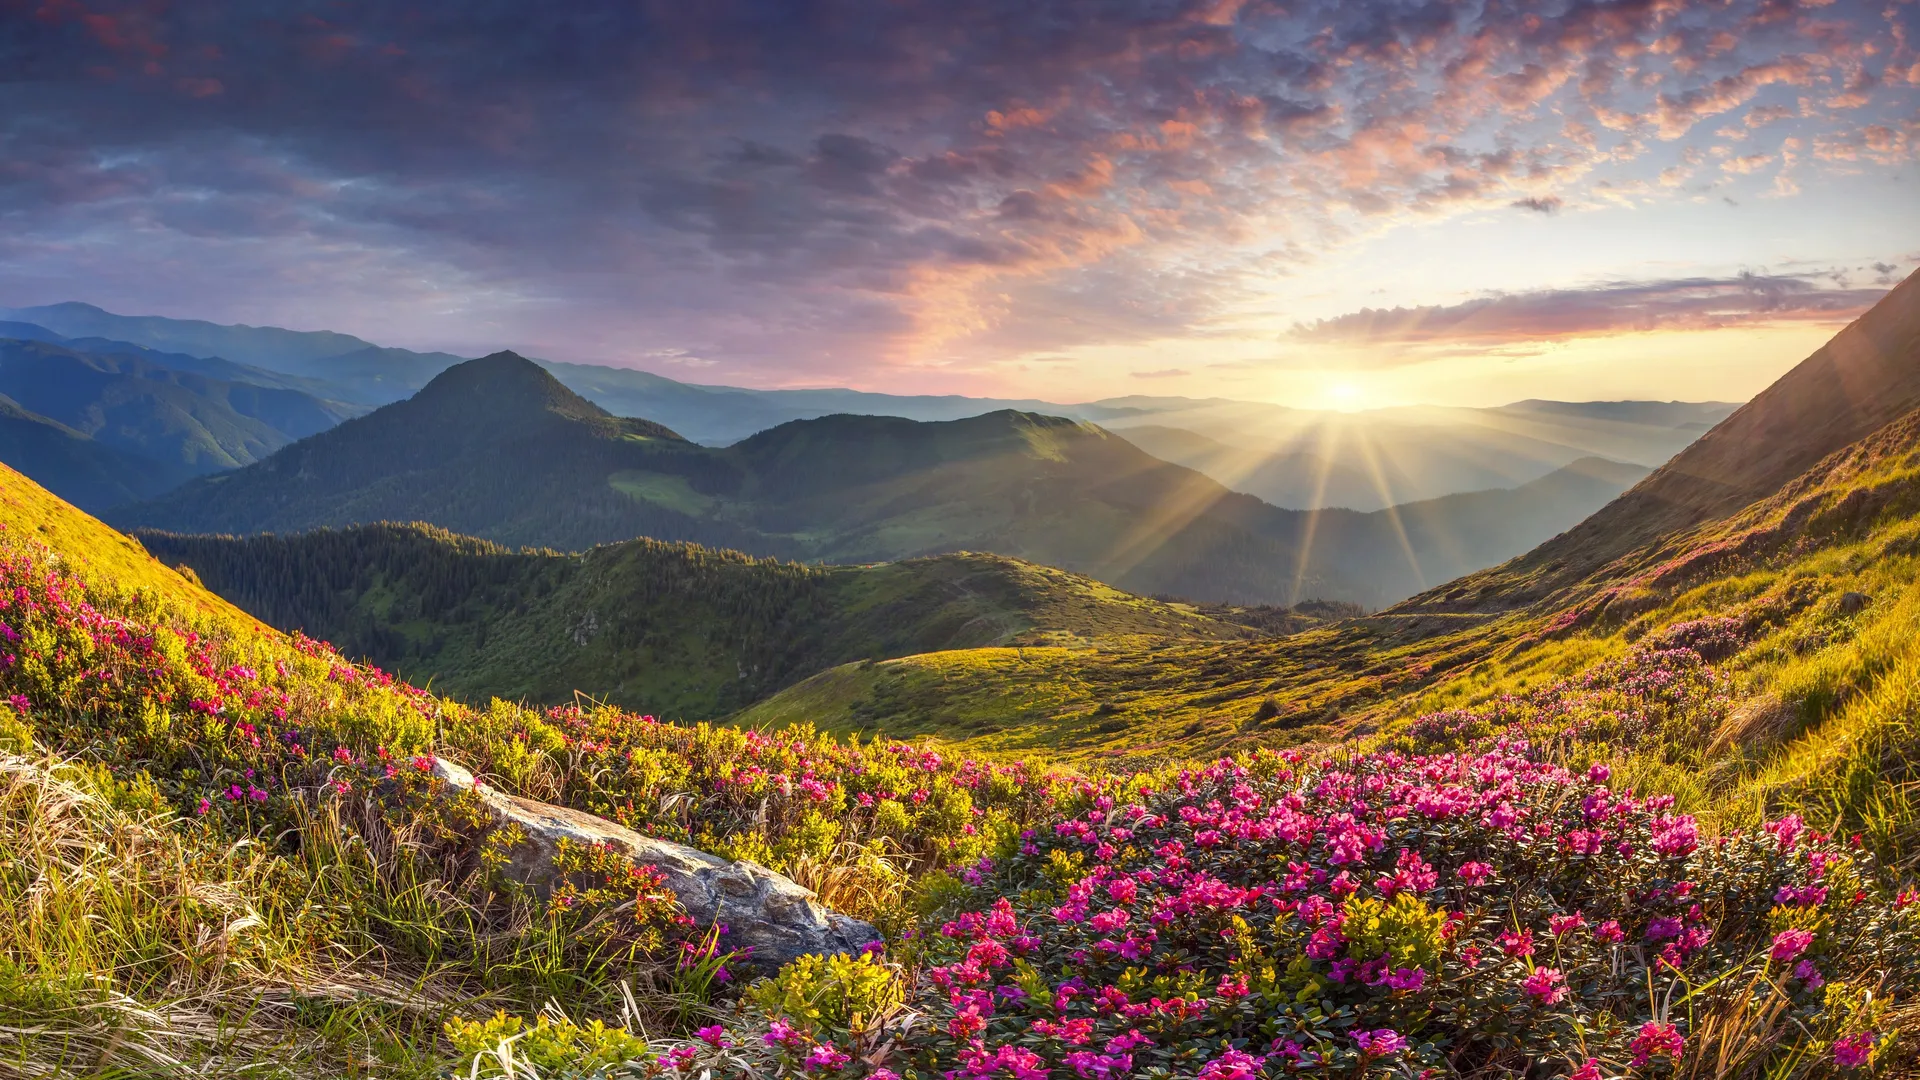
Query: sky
point(1327, 203)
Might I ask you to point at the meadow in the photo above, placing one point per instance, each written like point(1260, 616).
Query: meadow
point(1659, 827)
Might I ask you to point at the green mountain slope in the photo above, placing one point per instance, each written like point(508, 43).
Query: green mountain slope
point(187, 421)
point(87, 473)
point(674, 629)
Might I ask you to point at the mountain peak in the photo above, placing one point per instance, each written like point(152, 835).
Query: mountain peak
point(503, 386)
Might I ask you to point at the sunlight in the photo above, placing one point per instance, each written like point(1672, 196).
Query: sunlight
point(1344, 395)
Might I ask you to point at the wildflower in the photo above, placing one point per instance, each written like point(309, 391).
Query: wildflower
point(1657, 1039)
point(1519, 945)
point(715, 1036)
point(1588, 1071)
point(1546, 985)
point(1854, 1050)
point(1807, 973)
point(826, 1056)
point(1788, 944)
point(1407, 978)
point(681, 1058)
point(1475, 873)
point(1381, 1043)
point(1610, 932)
point(780, 1033)
point(1562, 925)
point(1232, 1065)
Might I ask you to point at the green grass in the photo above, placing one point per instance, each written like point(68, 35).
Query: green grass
point(661, 489)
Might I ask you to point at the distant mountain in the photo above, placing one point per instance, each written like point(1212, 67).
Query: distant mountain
point(1384, 457)
point(335, 365)
point(493, 447)
point(1301, 481)
point(190, 424)
point(86, 473)
point(497, 448)
point(683, 631)
point(1279, 454)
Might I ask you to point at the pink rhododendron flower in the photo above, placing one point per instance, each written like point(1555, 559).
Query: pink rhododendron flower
point(1788, 944)
point(826, 1056)
point(1657, 1040)
point(1854, 1050)
point(1546, 985)
point(1232, 1065)
point(1380, 1043)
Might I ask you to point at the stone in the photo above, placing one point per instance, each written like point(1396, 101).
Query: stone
point(1851, 602)
point(769, 913)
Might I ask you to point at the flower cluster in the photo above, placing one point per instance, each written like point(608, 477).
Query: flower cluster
point(1281, 916)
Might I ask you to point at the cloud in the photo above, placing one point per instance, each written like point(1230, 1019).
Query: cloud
point(802, 191)
point(1610, 308)
point(1164, 373)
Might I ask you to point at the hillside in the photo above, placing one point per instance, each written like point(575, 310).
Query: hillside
point(675, 629)
point(1867, 376)
point(87, 473)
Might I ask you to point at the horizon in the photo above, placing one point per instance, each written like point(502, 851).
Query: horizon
point(828, 388)
point(1340, 205)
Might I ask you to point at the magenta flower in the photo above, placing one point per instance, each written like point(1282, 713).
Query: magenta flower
point(1588, 1071)
point(1232, 1065)
point(1788, 944)
point(1854, 1050)
point(826, 1056)
point(1657, 1040)
point(1807, 973)
point(714, 1036)
point(1546, 985)
point(1381, 1043)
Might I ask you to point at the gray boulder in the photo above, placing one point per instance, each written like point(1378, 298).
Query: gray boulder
point(763, 911)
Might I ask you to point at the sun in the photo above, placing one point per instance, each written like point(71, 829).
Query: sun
point(1344, 395)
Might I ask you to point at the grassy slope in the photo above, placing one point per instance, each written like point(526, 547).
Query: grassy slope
point(672, 629)
point(223, 857)
point(1817, 711)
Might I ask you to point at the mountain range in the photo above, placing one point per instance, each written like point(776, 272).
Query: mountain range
point(497, 448)
point(1294, 458)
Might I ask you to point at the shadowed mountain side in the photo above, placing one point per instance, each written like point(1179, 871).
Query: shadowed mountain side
point(181, 419)
point(680, 630)
point(1865, 377)
point(86, 473)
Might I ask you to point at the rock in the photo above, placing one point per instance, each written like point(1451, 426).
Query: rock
point(1851, 602)
point(767, 912)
